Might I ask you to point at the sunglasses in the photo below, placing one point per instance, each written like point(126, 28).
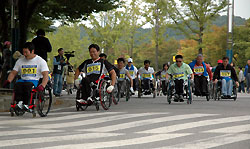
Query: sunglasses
point(178, 61)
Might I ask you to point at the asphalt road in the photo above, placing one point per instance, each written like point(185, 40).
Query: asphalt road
point(138, 123)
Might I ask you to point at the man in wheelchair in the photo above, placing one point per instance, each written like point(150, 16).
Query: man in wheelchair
point(201, 73)
point(124, 74)
point(147, 74)
point(94, 69)
point(179, 72)
point(226, 74)
point(31, 68)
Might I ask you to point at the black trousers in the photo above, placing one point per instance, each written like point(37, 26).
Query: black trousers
point(179, 86)
point(164, 87)
point(135, 84)
point(23, 92)
point(147, 84)
point(86, 90)
point(200, 85)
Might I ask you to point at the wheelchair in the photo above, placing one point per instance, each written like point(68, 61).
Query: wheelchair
point(39, 101)
point(209, 90)
point(187, 91)
point(122, 89)
point(161, 89)
point(145, 87)
point(218, 93)
point(99, 96)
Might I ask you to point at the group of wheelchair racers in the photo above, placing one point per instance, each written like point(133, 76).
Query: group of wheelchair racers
point(104, 84)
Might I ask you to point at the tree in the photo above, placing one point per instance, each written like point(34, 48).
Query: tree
point(156, 15)
point(193, 17)
point(65, 11)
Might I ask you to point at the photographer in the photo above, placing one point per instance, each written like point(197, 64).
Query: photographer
point(58, 63)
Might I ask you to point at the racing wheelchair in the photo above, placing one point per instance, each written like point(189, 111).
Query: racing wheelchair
point(209, 90)
point(147, 87)
point(99, 95)
point(122, 89)
point(40, 101)
point(162, 87)
point(187, 91)
point(218, 92)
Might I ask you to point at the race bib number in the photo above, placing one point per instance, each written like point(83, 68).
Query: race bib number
point(131, 73)
point(225, 73)
point(198, 70)
point(148, 75)
point(178, 75)
point(29, 70)
point(59, 67)
point(163, 76)
point(94, 68)
point(122, 75)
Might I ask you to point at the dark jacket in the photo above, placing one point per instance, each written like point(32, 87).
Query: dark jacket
point(58, 66)
point(228, 67)
point(42, 46)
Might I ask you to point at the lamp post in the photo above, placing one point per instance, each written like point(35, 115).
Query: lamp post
point(230, 27)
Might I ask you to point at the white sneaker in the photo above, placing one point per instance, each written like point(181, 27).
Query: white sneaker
point(20, 104)
point(89, 99)
point(82, 101)
point(26, 107)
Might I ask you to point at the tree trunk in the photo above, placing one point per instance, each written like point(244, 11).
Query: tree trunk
point(157, 38)
point(201, 39)
point(4, 36)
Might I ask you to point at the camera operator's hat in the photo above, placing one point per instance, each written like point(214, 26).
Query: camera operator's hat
point(130, 60)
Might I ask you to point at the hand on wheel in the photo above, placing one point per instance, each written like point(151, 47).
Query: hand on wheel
point(40, 88)
point(110, 88)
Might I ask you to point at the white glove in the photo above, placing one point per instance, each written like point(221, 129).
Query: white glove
point(110, 88)
point(131, 89)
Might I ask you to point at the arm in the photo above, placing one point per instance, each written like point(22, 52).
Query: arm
point(154, 75)
point(12, 75)
point(45, 78)
point(130, 78)
point(209, 73)
point(113, 77)
point(77, 73)
point(55, 62)
point(49, 48)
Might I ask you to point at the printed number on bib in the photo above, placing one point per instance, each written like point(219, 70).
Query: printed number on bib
point(225, 73)
point(131, 73)
point(198, 70)
point(146, 75)
point(178, 75)
point(93, 68)
point(122, 76)
point(29, 70)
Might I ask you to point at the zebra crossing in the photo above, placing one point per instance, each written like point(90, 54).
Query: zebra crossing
point(92, 130)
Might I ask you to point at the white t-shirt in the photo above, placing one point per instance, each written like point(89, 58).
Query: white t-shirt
point(132, 72)
point(31, 69)
point(146, 74)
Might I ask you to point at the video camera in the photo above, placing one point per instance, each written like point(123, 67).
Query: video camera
point(69, 54)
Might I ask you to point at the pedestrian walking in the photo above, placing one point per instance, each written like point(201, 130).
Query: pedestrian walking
point(247, 75)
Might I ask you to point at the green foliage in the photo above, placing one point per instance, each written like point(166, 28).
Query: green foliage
point(68, 38)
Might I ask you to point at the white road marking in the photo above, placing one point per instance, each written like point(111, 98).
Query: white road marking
point(178, 127)
point(91, 121)
point(232, 129)
point(211, 142)
point(146, 122)
point(120, 143)
point(30, 141)
point(29, 131)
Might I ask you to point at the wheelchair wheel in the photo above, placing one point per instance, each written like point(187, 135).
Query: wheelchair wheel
point(116, 94)
point(154, 93)
point(169, 93)
point(139, 90)
point(105, 97)
point(189, 93)
point(44, 101)
point(82, 107)
point(235, 93)
point(18, 111)
point(127, 90)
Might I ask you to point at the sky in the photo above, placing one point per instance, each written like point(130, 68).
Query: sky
point(242, 8)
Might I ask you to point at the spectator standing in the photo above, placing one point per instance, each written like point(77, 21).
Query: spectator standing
point(42, 44)
point(247, 75)
point(241, 81)
point(58, 63)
